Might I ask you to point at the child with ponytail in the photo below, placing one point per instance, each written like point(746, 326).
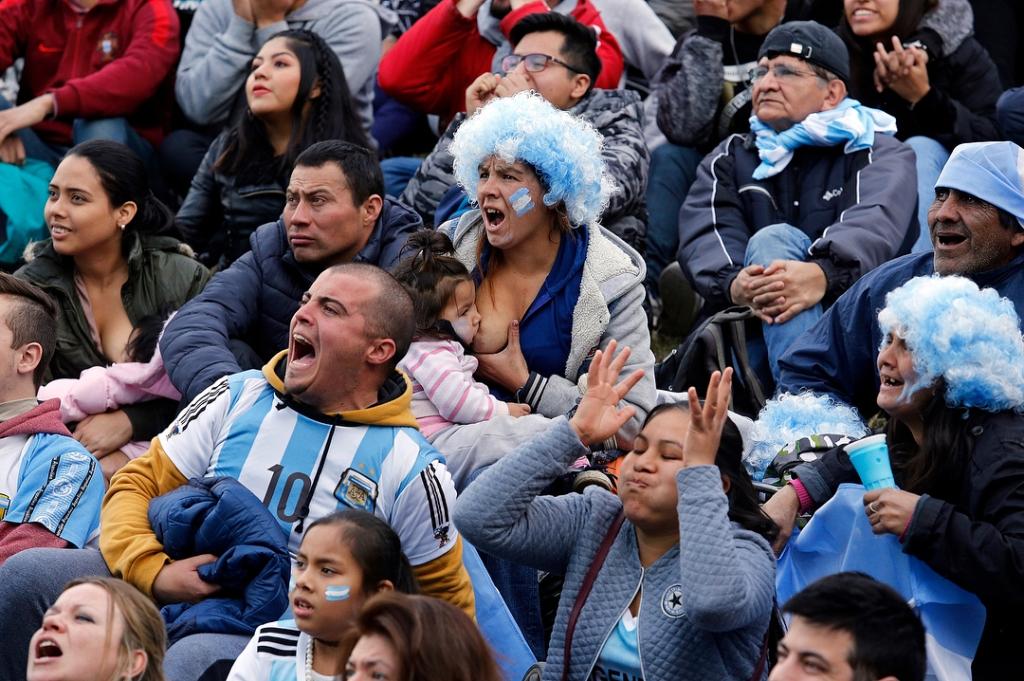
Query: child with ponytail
point(344, 558)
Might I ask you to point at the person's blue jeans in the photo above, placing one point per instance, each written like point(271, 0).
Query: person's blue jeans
point(781, 242)
point(931, 157)
point(82, 130)
point(673, 170)
point(398, 170)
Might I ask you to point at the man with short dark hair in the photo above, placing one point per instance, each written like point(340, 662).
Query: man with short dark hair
point(433, 63)
point(557, 57)
point(850, 627)
point(51, 487)
point(785, 218)
point(335, 212)
point(325, 425)
point(976, 229)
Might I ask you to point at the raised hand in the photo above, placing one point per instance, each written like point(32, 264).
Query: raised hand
point(598, 416)
point(707, 420)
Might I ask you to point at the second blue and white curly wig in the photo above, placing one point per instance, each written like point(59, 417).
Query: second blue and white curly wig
point(789, 417)
point(564, 150)
point(967, 336)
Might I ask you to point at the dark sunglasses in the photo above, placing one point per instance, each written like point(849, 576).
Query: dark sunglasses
point(534, 62)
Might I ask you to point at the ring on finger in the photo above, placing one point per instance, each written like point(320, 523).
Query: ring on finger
point(873, 507)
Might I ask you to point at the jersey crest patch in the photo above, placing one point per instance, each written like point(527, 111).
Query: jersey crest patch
point(5, 503)
point(356, 490)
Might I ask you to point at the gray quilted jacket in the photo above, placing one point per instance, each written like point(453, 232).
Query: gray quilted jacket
point(617, 115)
point(704, 605)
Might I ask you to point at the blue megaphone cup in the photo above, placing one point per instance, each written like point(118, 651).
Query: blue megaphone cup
point(870, 457)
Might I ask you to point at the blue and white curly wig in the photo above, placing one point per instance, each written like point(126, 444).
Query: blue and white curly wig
point(967, 336)
point(564, 150)
point(789, 417)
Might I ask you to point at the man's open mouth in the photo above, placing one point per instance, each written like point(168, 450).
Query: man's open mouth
point(950, 238)
point(302, 349)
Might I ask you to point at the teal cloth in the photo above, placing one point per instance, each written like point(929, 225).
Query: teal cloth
point(25, 190)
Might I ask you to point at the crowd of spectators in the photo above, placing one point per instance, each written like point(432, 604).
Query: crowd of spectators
point(337, 320)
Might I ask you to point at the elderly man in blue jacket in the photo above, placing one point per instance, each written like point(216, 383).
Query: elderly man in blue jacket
point(977, 231)
point(785, 218)
point(335, 212)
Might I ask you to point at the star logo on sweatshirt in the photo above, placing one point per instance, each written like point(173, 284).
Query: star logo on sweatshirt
point(672, 601)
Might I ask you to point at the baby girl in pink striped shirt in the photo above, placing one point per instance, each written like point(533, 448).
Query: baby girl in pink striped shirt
point(444, 296)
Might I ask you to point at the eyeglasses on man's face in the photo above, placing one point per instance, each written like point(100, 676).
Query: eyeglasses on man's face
point(535, 62)
point(781, 72)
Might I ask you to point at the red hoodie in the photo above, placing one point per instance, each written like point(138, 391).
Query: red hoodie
point(102, 63)
point(433, 63)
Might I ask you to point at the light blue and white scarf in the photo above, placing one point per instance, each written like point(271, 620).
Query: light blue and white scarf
point(850, 122)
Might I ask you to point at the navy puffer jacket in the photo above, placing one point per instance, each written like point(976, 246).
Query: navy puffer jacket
point(241, 318)
point(222, 517)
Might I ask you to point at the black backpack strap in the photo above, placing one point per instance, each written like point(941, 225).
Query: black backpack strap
point(738, 328)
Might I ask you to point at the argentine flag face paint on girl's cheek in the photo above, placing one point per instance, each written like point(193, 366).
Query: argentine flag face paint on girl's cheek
point(521, 201)
point(336, 593)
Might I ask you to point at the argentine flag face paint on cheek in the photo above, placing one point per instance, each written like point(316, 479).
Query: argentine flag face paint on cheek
point(337, 593)
point(521, 201)
point(291, 583)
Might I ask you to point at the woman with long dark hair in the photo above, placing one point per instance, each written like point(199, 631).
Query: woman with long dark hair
point(673, 577)
point(952, 383)
point(296, 94)
point(109, 265)
point(938, 100)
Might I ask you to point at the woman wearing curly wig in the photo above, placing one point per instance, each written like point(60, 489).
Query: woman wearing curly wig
point(99, 629)
point(553, 286)
point(296, 94)
point(952, 383)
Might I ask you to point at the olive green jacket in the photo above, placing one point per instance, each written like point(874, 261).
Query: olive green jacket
point(161, 277)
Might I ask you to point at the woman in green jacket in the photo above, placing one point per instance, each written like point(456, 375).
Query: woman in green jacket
point(108, 268)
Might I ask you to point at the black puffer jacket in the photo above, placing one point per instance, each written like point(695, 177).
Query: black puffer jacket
point(253, 300)
point(221, 211)
point(853, 207)
point(974, 538)
point(959, 108)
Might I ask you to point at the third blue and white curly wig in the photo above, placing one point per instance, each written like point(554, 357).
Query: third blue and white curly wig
point(967, 336)
point(564, 150)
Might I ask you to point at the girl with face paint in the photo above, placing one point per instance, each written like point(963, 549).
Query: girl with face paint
point(444, 300)
point(345, 558)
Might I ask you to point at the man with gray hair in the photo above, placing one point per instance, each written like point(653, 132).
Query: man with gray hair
point(976, 229)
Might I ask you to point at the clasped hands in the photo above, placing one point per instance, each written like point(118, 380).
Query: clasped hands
point(779, 292)
point(904, 70)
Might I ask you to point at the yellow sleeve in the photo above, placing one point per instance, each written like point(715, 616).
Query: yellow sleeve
point(127, 542)
point(446, 578)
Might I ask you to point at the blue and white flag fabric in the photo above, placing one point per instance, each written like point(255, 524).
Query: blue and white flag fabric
point(838, 538)
point(850, 122)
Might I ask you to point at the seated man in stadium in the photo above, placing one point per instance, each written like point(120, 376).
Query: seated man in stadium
point(556, 56)
point(433, 63)
point(334, 212)
point(849, 627)
point(977, 231)
point(50, 486)
point(785, 218)
point(93, 70)
point(325, 425)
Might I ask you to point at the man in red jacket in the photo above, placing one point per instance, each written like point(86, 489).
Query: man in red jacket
point(433, 63)
point(92, 68)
